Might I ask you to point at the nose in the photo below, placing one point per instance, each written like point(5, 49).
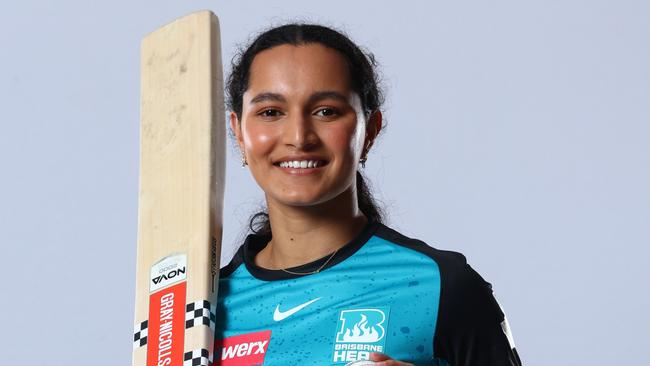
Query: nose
point(299, 132)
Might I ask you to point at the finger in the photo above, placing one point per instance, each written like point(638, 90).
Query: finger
point(393, 363)
point(384, 360)
point(374, 356)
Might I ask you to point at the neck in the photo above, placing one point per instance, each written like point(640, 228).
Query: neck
point(303, 234)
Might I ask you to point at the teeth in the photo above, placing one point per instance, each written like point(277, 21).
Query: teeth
point(302, 164)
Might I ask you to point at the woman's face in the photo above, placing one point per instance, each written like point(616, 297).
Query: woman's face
point(302, 128)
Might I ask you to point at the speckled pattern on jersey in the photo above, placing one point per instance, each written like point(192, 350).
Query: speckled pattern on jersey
point(380, 293)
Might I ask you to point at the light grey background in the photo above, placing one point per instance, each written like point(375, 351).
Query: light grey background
point(518, 133)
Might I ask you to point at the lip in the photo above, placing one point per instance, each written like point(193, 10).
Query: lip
point(299, 158)
point(301, 171)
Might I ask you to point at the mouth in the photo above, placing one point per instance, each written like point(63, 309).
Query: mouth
point(301, 164)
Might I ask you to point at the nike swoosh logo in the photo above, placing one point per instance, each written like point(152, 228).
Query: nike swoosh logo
point(281, 315)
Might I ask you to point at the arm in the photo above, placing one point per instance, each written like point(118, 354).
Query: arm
point(471, 329)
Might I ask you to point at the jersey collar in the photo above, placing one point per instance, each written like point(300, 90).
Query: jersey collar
point(255, 243)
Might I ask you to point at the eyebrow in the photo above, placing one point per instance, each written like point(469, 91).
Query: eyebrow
point(318, 96)
point(328, 94)
point(266, 97)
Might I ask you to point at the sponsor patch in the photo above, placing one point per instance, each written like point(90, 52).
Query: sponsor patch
point(360, 332)
point(242, 350)
point(168, 271)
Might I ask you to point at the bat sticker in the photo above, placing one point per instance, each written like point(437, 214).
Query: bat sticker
point(168, 271)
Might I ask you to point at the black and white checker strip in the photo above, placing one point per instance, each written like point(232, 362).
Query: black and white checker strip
point(140, 332)
point(196, 313)
point(200, 312)
point(197, 357)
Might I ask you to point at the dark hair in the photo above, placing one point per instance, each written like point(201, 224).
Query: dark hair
point(364, 82)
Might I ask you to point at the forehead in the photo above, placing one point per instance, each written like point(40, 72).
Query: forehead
point(299, 70)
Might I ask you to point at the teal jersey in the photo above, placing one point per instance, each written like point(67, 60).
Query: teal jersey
point(382, 292)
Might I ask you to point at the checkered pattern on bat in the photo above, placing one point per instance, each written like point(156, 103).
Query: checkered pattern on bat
point(140, 332)
point(196, 313)
point(197, 357)
point(200, 312)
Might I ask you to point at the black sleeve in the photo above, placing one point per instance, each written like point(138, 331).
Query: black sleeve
point(471, 328)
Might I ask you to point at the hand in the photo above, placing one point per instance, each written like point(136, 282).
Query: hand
point(383, 360)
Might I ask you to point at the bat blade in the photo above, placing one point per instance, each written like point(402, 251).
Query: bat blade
point(182, 160)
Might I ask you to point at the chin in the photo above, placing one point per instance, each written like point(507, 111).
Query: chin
point(302, 201)
point(305, 199)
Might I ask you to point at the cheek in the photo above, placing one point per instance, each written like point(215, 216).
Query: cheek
point(258, 139)
point(346, 138)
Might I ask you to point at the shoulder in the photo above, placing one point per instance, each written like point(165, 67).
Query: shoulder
point(452, 265)
point(461, 288)
point(470, 326)
point(458, 280)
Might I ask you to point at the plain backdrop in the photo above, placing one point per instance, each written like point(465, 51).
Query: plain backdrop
point(518, 133)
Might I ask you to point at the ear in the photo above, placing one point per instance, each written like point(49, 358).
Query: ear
point(373, 127)
point(235, 127)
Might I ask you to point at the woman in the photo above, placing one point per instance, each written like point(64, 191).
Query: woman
point(321, 280)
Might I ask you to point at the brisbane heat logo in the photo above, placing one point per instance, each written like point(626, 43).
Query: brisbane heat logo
point(360, 332)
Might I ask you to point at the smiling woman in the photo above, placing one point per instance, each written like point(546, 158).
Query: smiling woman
point(295, 113)
point(321, 280)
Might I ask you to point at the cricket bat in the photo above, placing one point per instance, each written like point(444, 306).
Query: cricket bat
point(182, 160)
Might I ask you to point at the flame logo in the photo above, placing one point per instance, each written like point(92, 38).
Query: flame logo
point(362, 326)
point(361, 332)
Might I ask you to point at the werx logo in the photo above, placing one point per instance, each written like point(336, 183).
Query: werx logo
point(243, 350)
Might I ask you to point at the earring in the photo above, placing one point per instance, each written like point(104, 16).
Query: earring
point(243, 161)
point(364, 154)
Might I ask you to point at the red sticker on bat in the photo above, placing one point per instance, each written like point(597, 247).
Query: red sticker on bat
point(166, 326)
point(242, 350)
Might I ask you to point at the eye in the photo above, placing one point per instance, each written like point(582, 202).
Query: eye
point(327, 112)
point(269, 113)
